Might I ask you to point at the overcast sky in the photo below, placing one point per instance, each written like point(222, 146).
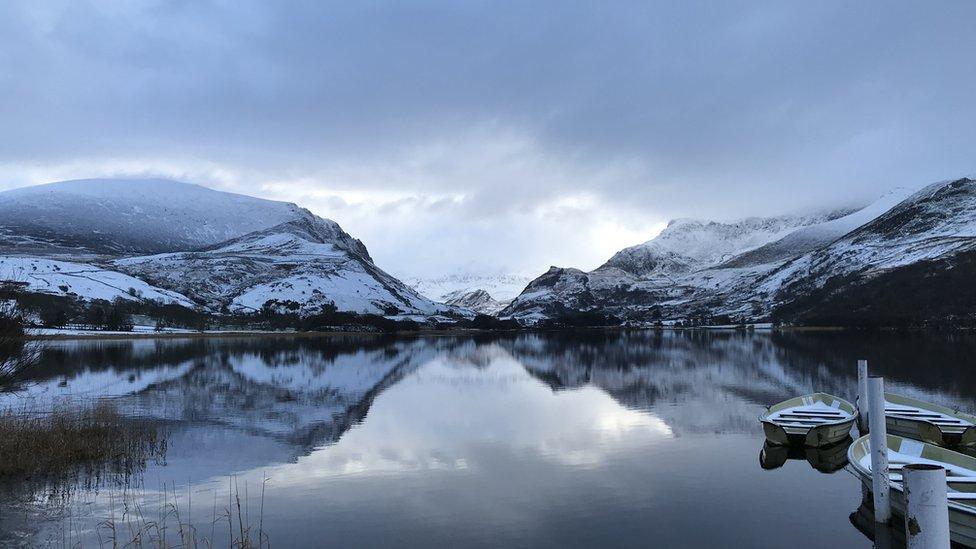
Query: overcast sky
point(503, 136)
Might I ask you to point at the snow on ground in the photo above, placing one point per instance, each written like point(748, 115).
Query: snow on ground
point(812, 237)
point(899, 229)
point(282, 264)
point(138, 329)
point(63, 278)
point(349, 290)
point(688, 244)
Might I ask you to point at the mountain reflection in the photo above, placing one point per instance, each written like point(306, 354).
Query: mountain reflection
point(306, 392)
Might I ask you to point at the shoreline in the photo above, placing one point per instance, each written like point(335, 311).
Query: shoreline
point(94, 335)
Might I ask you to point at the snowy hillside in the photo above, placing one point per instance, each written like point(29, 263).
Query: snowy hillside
point(478, 301)
point(310, 262)
point(688, 244)
point(62, 278)
point(687, 273)
point(817, 235)
point(660, 271)
point(121, 216)
point(936, 222)
point(223, 251)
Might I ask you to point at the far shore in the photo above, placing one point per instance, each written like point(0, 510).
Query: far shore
point(98, 335)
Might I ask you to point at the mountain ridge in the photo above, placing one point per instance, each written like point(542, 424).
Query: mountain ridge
point(212, 250)
point(898, 230)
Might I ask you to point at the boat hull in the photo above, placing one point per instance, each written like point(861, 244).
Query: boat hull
point(930, 433)
point(818, 437)
point(919, 430)
point(962, 436)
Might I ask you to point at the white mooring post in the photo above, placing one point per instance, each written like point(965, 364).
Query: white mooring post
point(879, 450)
point(862, 397)
point(927, 509)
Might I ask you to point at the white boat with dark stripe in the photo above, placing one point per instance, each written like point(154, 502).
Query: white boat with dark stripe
point(816, 419)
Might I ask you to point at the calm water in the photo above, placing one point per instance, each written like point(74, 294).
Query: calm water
point(566, 440)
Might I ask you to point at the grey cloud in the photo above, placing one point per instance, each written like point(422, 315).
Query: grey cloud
point(688, 108)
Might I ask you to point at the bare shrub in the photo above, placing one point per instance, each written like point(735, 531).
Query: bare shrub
point(17, 352)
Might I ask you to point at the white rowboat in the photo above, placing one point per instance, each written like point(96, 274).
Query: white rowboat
point(928, 422)
point(814, 420)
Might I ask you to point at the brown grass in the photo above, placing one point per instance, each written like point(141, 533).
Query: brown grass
point(75, 443)
point(46, 457)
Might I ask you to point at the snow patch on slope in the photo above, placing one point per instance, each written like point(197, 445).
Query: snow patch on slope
point(88, 282)
point(687, 244)
point(478, 301)
point(312, 265)
point(814, 236)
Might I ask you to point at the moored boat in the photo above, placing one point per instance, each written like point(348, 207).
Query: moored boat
point(816, 420)
point(960, 479)
point(929, 422)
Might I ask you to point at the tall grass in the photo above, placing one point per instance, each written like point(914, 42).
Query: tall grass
point(64, 446)
point(46, 457)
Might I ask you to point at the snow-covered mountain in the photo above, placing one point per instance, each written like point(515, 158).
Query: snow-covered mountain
point(211, 249)
point(299, 265)
point(775, 264)
point(689, 244)
point(918, 258)
point(62, 278)
point(817, 235)
point(478, 301)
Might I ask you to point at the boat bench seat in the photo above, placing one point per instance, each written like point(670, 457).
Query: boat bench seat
point(809, 414)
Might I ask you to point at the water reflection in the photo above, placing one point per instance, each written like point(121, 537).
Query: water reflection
point(884, 537)
point(826, 459)
point(570, 439)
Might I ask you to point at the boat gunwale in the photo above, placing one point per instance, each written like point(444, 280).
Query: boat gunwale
point(924, 405)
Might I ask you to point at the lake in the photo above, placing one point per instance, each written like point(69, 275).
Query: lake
point(566, 439)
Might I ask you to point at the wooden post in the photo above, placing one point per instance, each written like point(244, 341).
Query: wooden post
point(879, 450)
point(862, 397)
point(927, 509)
